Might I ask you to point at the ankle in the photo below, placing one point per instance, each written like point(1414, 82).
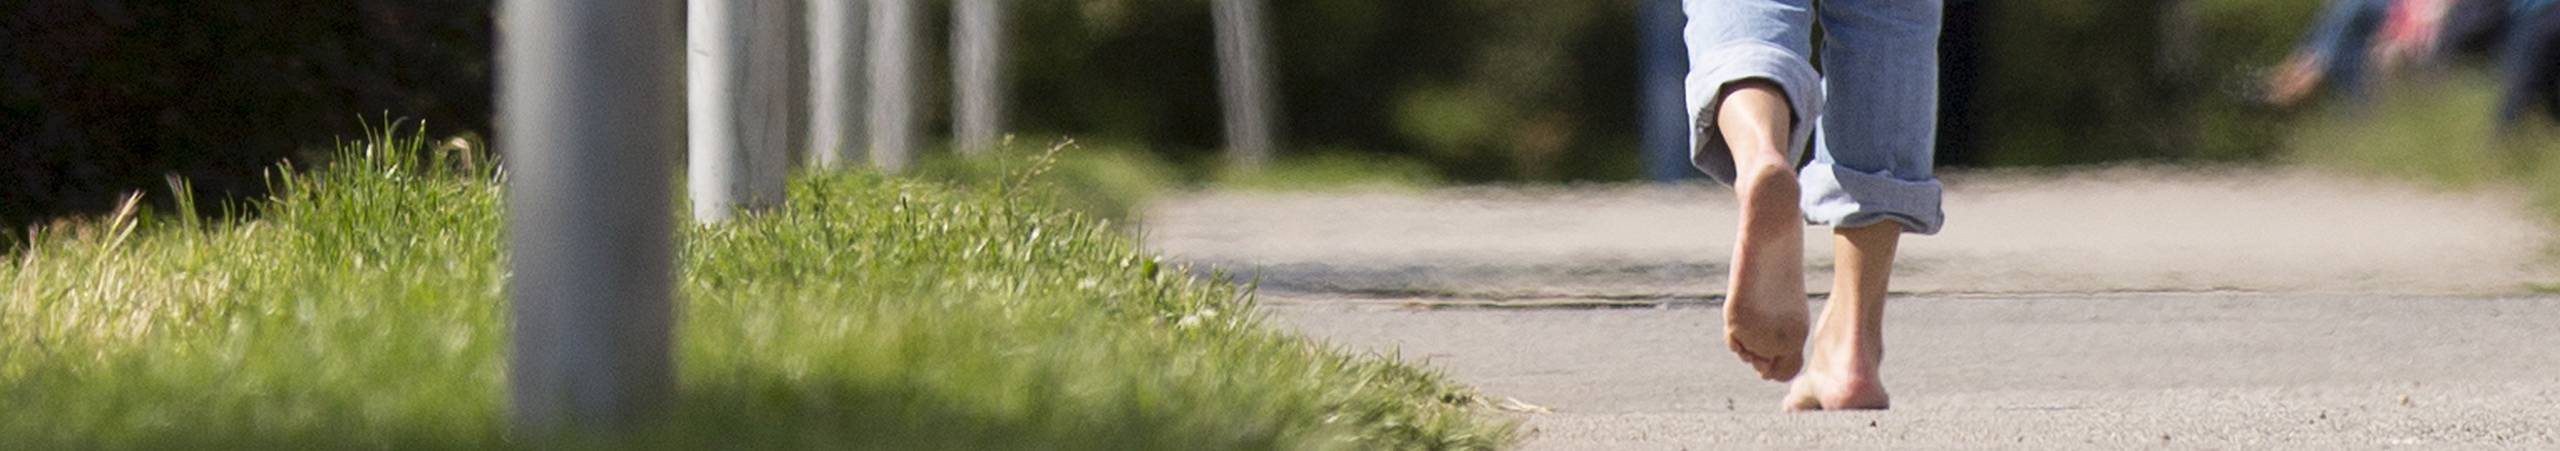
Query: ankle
point(1759, 182)
point(1845, 352)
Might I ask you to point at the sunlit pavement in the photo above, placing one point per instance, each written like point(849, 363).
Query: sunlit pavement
point(2112, 308)
point(2062, 369)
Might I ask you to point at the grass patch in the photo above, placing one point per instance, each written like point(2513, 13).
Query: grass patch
point(1111, 183)
point(1330, 171)
point(2440, 132)
point(365, 308)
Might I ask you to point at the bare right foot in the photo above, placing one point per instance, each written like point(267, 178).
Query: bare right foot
point(1841, 375)
point(1764, 307)
point(1848, 347)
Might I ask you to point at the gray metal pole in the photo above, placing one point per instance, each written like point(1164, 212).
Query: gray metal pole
point(836, 78)
point(978, 71)
point(894, 128)
point(1244, 68)
point(589, 110)
point(745, 92)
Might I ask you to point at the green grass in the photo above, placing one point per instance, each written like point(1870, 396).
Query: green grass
point(1106, 182)
point(2440, 132)
point(1329, 171)
point(364, 307)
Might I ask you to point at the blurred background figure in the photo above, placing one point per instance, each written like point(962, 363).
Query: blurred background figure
point(2334, 54)
point(2357, 43)
point(2529, 57)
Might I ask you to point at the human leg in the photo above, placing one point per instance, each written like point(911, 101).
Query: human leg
point(1752, 97)
point(1841, 373)
point(1872, 179)
point(1764, 308)
point(1874, 154)
point(2332, 54)
point(2531, 63)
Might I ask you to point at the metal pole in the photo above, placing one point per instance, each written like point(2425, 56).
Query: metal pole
point(1244, 76)
point(589, 108)
point(836, 79)
point(1664, 134)
point(894, 128)
point(744, 95)
point(978, 70)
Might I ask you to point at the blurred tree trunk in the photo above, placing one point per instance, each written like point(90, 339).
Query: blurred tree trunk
point(894, 128)
point(747, 102)
point(1244, 75)
point(836, 78)
point(980, 29)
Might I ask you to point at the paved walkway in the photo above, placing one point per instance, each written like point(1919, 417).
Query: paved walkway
point(2131, 306)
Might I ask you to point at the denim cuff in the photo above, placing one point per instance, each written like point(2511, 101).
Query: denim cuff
point(1738, 61)
point(1846, 198)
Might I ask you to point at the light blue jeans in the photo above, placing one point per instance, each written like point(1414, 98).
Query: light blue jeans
point(1871, 114)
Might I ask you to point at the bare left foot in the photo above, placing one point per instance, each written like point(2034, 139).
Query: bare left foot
point(1764, 305)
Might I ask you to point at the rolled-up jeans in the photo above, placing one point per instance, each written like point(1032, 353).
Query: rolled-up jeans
point(1870, 114)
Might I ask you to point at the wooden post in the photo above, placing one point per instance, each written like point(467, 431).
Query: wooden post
point(894, 128)
point(1244, 77)
point(836, 78)
point(748, 103)
point(979, 32)
point(589, 109)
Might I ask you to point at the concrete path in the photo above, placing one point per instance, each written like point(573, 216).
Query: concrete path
point(2109, 308)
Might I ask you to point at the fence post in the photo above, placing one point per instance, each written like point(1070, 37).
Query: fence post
point(836, 80)
point(1245, 83)
point(590, 113)
point(746, 92)
point(978, 63)
point(893, 84)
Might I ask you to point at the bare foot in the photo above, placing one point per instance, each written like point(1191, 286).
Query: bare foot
point(1848, 346)
point(1840, 374)
point(1764, 308)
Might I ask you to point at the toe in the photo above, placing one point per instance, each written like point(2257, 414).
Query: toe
point(1783, 369)
point(1771, 366)
point(1744, 352)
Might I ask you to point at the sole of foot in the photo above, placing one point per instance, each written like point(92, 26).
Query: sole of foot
point(1765, 314)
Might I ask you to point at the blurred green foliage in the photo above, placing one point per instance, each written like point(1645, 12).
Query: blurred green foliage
point(2435, 131)
point(1331, 170)
point(1107, 182)
point(98, 97)
point(1484, 90)
point(102, 96)
point(2080, 82)
point(1479, 89)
